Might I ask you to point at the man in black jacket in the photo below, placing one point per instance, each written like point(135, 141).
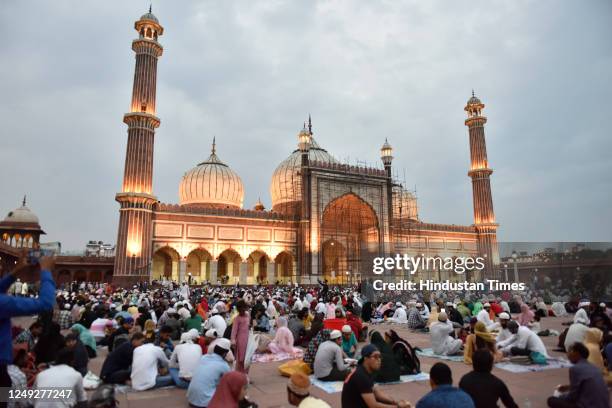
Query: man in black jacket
point(118, 365)
point(485, 388)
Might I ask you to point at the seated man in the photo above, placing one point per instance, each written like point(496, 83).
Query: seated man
point(117, 365)
point(207, 375)
point(485, 316)
point(185, 358)
point(399, 316)
point(442, 343)
point(359, 389)
point(163, 340)
point(262, 322)
point(145, 372)
point(62, 375)
point(415, 320)
point(329, 361)
point(587, 387)
point(442, 393)
point(349, 341)
point(81, 359)
point(485, 388)
point(522, 343)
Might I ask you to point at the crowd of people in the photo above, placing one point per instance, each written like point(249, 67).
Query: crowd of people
point(202, 339)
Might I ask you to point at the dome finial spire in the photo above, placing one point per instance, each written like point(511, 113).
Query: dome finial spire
point(309, 124)
point(214, 146)
point(473, 95)
point(24, 200)
point(150, 7)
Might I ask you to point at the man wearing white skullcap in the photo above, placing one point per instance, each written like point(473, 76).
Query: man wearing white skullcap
point(483, 316)
point(442, 343)
point(329, 361)
point(399, 316)
point(504, 333)
point(185, 359)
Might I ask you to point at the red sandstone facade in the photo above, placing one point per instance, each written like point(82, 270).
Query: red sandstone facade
point(328, 219)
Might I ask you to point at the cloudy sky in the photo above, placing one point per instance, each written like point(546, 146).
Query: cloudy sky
point(250, 72)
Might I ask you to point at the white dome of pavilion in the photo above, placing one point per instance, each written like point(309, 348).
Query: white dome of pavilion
point(21, 215)
point(213, 184)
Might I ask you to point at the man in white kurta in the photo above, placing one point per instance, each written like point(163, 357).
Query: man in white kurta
point(523, 341)
point(441, 342)
point(399, 316)
point(483, 316)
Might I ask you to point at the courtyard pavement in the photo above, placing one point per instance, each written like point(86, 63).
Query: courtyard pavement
point(268, 387)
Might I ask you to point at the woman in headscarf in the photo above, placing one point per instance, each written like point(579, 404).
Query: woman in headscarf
point(231, 391)
point(463, 309)
point(48, 345)
point(315, 327)
point(480, 339)
point(390, 367)
point(240, 334)
point(366, 311)
point(526, 315)
point(283, 340)
point(149, 331)
point(404, 353)
point(355, 322)
point(86, 338)
point(592, 341)
point(203, 308)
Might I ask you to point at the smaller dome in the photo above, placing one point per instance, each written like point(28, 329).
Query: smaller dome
point(21, 215)
point(149, 16)
point(259, 205)
point(474, 100)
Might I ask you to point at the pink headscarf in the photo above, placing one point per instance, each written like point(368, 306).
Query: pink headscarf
point(526, 315)
point(283, 341)
point(228, 391)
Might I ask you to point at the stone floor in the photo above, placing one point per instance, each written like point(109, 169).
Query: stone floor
point(268, 387)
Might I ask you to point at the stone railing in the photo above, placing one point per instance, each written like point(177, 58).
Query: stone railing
point(347, 168)
point(225, 212)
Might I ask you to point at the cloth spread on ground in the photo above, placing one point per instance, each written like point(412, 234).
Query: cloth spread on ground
point(269, 357)
point(429, 353)
point(332, 387)
point(552, 363)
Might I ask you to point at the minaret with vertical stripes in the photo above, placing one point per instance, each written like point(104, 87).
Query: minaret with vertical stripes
point(133, 251)
point(484, 217)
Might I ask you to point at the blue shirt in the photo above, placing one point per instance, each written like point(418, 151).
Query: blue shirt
point(12, 306)
point(446, 396)
point(205, 379)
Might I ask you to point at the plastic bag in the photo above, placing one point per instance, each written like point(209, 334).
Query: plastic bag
point(91, 381)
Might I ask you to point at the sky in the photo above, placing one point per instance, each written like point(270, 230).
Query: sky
point(250, 73)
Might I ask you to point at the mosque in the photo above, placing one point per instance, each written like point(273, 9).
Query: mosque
point(328, 219)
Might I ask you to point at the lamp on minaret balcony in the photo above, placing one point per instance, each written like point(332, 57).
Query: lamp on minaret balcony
point(386, 153)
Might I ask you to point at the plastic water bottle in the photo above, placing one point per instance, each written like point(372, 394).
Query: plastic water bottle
point(527, 403)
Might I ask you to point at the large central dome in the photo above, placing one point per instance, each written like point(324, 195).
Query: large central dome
point(211, 184)
point(286, 185)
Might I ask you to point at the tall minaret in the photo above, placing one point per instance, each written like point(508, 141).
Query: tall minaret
point(484, 217)
point(133, 251)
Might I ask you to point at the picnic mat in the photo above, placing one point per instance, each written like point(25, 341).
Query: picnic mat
point(332, 387)
point(269, 357)
point(520, 368)
point(429, 353)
